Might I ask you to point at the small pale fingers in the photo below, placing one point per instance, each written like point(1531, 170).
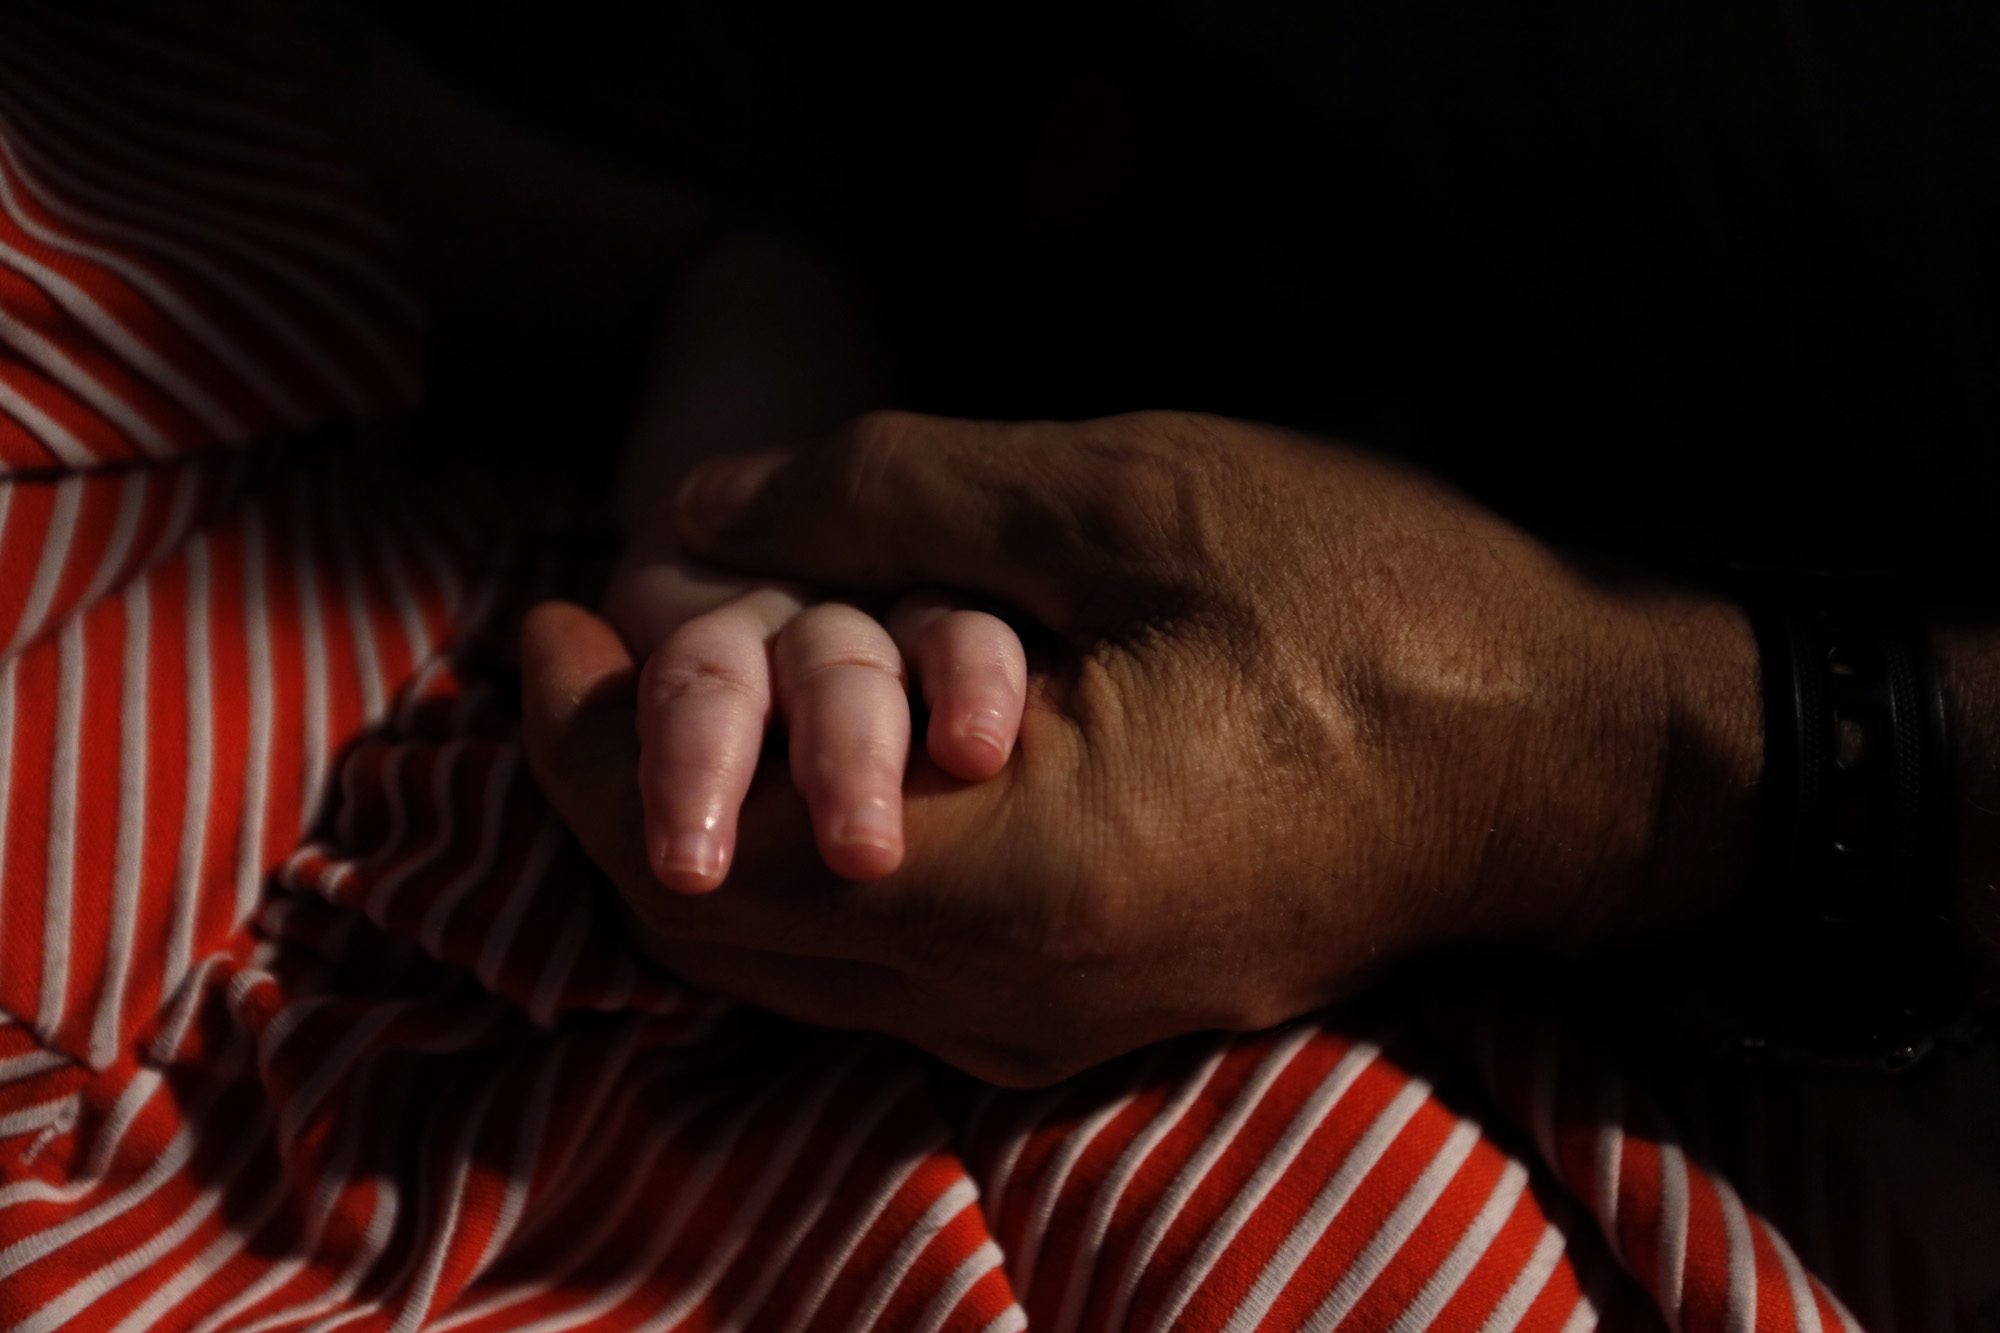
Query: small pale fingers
point(841, 685)
point(704, 704)
point(974, 675)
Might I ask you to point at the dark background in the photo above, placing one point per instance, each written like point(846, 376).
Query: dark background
point(1675, 283)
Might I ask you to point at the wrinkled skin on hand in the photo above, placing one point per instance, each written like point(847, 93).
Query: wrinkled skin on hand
point(1305, 712)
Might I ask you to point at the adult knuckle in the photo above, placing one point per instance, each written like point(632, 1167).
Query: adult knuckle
point(697, 671)
point(847, 658)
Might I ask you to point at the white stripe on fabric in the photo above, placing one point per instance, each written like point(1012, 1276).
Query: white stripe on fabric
point(1204, 1157)
point(472, 1029)
point(1396, 1229)
point(1017, 1140)
point(1098, 1224)
point(818, 1198)
point(1583, 1316)
point(966, 1276)
point(1056, 1174)
point(553, 984)
point(344, 388)
point(89, 1289)
point(384, 1215)
point(251, 852)
point(147, 135)
point(1367, 1153)
point(595, 1128)
point(634, 1185)
point(303, 1247)
point(1610, 1154)
point(607, 1296)
point(187, 101)
point(95, 119)
point(124, 527)
point(944, 1210)
point(29, 1119)
point(1305, 1124)
point(534, 867)
point(59, 366)
point(59, 127)
point(493, 824)
point(185, 315)
point(1805, 1310)
point(51, 434)
point(59, 890)
point(528, 1137)
point(1465, 1256)
point(438, 1241)
point(56, 542)
point(104, 1146)
point(736, 1232)
point(1742, 1315)
point(1520, 1295)
point(830, 1269)
point(223, 231)
point(103, 325)
point(190, 868)
point(1011, 1320)
point(129, 853)
point(331, 1066)
point(47, 1240)
point(184, 1283)
point(1673, 1230)
point(18, 1068)
point(527, 1145)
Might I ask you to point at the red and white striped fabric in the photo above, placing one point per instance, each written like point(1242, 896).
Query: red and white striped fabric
point(309, 1014)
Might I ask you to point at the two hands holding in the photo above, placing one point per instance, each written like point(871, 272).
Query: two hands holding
point(1292, 713)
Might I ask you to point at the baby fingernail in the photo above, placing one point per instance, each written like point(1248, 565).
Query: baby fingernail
point(695, 853)
point(874, 824)
point(985, 732)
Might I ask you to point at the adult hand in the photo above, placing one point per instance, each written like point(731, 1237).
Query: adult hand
point(1308, 712)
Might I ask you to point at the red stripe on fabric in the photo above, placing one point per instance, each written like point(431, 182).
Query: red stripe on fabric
point(940, 1258)
point(935, 1175)
point(28, 508)
point(21, 909)
point(1325, 1151)
point(1774, 1312)
point(151, 329)
point(1147, 1190)
point(1420, 1256)
point(1356, 1224)
point(27, 305)
point(95, 842)
point(1057, 1252)
point(1639, 1218)
point(1489, 1279)
point(1555, 1304)
point(1705, 1286)
point(1260, 1133)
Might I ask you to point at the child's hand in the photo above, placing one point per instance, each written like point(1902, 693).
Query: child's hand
point(722, 657)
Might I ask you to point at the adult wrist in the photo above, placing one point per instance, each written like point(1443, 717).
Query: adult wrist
point(1708, 783)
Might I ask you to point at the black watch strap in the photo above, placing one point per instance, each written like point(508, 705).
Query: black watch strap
point(1844, 953)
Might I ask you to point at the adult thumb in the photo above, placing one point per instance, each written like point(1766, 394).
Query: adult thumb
point(897, 500)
